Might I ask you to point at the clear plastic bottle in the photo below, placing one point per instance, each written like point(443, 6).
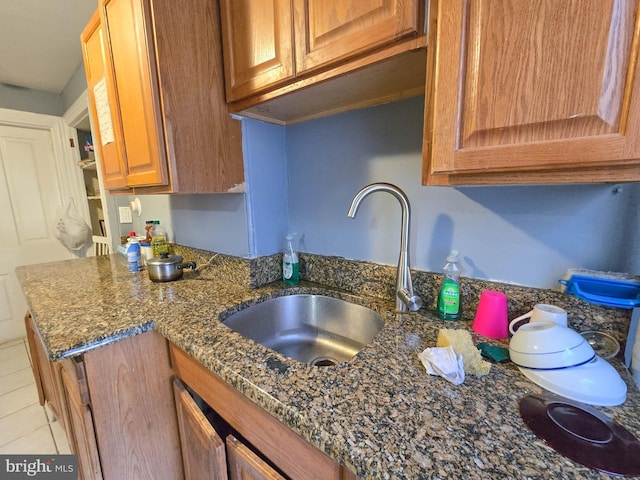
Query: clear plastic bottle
point(290, 264)
point(449, 304)
point(134, 257)
point(158, 239)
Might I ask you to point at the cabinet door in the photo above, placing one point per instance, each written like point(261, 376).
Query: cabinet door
point(43, 370)
point(134, 413)
point(81, 430)
point(35, 357)
point(533, 87)
point(327, 31)
point(243, 463)
point(101, 103)
point(288, 451)
point(203, 453)
point(47, 375)
point(132, 72)
point(258, 45)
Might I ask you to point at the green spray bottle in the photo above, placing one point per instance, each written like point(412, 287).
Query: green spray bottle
point(449, 304)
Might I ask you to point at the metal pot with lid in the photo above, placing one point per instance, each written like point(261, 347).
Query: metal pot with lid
point(166, 268)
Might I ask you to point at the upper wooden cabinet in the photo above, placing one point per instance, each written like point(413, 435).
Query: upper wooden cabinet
point(371, 50)
point(131, 62)
point(532, 92)
point(109, 151)
point(258, 41)
point(327, 31)
point(163, 68)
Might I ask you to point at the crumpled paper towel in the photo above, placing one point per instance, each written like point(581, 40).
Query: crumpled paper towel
point(444, 362)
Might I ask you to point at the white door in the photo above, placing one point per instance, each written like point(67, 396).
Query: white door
point(30, 199)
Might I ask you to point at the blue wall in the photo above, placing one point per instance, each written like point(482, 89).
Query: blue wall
point(527, 235)
point(302, 178)
point(243, 224)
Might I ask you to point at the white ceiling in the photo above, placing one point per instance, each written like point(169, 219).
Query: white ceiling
point(40, 41)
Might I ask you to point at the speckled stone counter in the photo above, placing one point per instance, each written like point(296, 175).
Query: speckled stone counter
point(380, 414)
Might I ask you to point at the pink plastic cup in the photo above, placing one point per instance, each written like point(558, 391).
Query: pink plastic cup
point(491, 317)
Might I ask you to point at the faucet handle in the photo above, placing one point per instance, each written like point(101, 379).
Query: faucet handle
point(413, 302)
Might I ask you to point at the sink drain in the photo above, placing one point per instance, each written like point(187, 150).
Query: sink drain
point(323, 362)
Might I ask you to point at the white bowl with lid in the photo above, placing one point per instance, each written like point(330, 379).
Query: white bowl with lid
point(548, 346)
point(595, 382)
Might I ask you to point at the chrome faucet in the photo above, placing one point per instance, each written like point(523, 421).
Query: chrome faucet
point(405, 298)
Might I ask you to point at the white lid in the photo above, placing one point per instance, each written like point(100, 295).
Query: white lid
point(453, 256)
point(595, 383)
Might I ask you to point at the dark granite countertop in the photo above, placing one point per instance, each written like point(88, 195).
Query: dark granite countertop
point(380, 414)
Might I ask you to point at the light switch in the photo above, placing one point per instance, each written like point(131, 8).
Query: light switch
point(125, 215)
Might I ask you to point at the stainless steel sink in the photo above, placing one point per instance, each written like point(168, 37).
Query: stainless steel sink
point(313, 329)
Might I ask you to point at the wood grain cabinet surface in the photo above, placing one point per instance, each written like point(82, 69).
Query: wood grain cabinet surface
point(101, 100)
point(80, 434)
point(164, 80)
point(532, 92)
point(46, 373)
point(258, 45)
point(133, 408)
point(328, 31)
point(276, 48)
point(244, 464)
point(117, 407)
point(279, 445)
point(203, 451)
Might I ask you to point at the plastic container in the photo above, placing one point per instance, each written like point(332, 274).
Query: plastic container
point(146, 251)
point(603, 291)
point(134, 257)
point(158, 239)
point(449, 305)
point(290, 264)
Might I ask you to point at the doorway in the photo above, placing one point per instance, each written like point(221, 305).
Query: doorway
point(100, 206)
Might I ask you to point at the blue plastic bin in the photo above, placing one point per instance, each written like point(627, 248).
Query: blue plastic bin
point(604, 291)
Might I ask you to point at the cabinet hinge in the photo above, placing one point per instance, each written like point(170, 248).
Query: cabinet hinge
point(72, 144)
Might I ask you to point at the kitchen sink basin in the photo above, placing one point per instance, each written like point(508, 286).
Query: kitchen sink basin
point(313, 329)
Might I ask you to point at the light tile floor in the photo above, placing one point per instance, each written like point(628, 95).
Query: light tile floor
point(25, 426)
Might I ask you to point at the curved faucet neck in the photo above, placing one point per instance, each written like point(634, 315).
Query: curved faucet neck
point(405, 298)
point(404, 205)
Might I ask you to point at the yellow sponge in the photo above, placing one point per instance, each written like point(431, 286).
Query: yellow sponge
point(462, 344)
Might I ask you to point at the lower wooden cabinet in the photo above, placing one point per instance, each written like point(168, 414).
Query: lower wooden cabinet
point(127, 416)
point(134, 413)
point(80, 433)
point(117, 407)
point(267, 449)
point(203, 453)
point(244, 463)
point(45, 373)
